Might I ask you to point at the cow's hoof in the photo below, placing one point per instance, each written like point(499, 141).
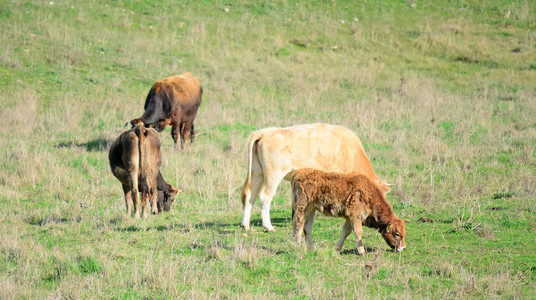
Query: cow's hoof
point(245, 234)
point(361, 250)
point(269, 228)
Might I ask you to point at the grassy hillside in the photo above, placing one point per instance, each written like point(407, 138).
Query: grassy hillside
point(441, 93)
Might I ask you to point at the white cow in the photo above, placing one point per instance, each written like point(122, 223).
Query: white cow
point(273, 153)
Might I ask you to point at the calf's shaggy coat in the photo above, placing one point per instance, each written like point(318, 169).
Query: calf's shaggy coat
point(135, 160)
point(354, 197)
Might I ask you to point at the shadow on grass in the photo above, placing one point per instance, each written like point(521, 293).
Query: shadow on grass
point(161, 228)
point(368, 250)
point(174, 226)
point(99, 144)
point(276, 222)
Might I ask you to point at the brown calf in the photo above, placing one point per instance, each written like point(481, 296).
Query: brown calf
point(135, 160)
point(354, 197)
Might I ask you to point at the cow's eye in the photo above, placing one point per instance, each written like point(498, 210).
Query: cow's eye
point(397, 234)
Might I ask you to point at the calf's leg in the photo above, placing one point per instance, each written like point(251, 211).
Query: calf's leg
point(358, 231)
point(298, 223)
point(308, 228)
point(346, 229)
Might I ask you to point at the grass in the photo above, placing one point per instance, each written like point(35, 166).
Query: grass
point(441, 94)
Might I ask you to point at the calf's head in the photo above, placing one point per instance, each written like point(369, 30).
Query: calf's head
point(394, 234)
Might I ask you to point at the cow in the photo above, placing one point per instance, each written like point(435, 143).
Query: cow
point(135, 160)
point(173, 100)
point(273, 153)
point(354, 197)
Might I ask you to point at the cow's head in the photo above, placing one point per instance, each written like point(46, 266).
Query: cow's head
point(395, 234)
point(166, 198)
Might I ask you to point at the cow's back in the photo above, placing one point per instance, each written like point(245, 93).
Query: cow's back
point(186, 87)
point(318, 146)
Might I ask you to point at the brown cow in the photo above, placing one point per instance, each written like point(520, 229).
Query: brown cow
point(273, 153)
point(135, 160)
point(354, 197)
point(174, 101)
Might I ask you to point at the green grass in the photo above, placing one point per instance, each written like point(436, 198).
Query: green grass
point(441, 94)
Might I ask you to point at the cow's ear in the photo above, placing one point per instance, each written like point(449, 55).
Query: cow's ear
point(386, 187)
point(135, 122)
point(173, 191)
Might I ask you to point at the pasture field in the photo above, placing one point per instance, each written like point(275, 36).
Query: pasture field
point(441, 93)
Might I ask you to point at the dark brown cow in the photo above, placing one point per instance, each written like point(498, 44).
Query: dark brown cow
point(355, 197)
point(174, 101)
point(135, 160)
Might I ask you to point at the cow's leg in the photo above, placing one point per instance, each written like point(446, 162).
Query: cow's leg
point(192, 133)
point(128, 198)
point(267, 192)
point(144, 200)
point(154, 198)
point(133, 181)
point(346, 229)
point(358, 231)
point(175, 131)
point(308, 229)
point(250, 195)
point(186, 132)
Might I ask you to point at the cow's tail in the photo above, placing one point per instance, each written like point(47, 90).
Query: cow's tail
point(141, 131)
point(253, 141)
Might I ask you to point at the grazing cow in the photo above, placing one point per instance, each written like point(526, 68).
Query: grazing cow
point(135, 160)
point(273, 153)
point(354, 197)
point(174, 101)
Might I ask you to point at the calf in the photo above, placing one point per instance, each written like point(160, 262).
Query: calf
point(354, 197)
point(135, 160)
point(173, 101)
